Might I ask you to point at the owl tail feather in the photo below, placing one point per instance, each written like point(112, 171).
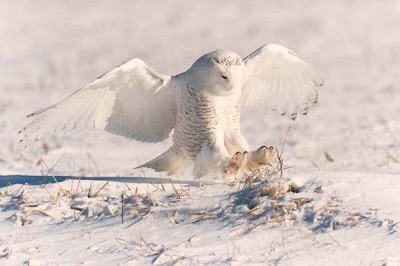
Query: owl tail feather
point(170, 161)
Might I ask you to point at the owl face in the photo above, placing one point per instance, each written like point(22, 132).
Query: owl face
point(219, 73)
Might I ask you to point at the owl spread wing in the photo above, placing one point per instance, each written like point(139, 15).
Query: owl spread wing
point(276, 78)
point(131, 100)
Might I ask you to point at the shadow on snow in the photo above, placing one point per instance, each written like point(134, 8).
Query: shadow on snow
point(7, 180)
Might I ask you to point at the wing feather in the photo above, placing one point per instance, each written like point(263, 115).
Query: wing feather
point(277, 78)
point(131, 100)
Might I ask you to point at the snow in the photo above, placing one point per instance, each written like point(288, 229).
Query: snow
point(344, 155)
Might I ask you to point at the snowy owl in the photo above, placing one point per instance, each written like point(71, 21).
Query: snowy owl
point(202, 106)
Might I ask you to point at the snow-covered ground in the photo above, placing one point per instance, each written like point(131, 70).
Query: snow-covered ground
point(344, 156)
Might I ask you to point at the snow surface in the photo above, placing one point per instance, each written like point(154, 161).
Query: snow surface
point(344, 155)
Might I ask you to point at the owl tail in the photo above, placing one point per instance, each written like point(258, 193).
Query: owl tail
point(170, 161)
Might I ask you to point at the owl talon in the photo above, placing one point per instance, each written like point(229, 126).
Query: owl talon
point(231, 167)
point(259, 158)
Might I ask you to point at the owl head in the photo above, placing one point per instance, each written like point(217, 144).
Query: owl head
point(219, 73)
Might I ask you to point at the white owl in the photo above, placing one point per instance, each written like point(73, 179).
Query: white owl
point(201, 105)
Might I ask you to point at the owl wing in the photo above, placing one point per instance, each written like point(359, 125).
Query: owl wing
point(131, 100)
point(276, 78)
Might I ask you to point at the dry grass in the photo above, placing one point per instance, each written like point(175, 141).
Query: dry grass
point(268, 195)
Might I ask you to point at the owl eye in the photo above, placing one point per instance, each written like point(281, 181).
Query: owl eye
point(224, 77)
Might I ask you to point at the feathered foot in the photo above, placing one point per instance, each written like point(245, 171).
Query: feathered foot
point(259, 158)
point(231, 167)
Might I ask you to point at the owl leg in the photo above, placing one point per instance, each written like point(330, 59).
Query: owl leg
point(236, 146)
point(259, 158)
point(209, 159)
point(236, 143)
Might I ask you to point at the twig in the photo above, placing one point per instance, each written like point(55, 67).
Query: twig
point(127, 186)
point(21, 187)
point(54, 165)
point(63, 252)
point(280, 154)
point(97, 243)
point(189, 244)
point(285, 139)
point(180, 184)
point(122, 208)
point(79, 184)
point(98, 191)
point(90, 189)
point(174, 188)
point(73, 174)
point(49, 170)
point(148, 188)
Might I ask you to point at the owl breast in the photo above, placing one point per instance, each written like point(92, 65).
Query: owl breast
point(196, 123)
point(201, 119)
